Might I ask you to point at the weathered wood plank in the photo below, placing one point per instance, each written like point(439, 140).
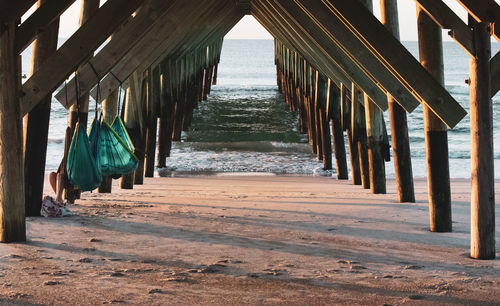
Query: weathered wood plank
point(12, 217)
point(303, 26)
point(447, 19)
point(390, 52)
point(175, 34)
point(38, 21)
point(482, 11)
point(297, 43)
point(482, 174)
point(149, 22)
point(13, 10)
point(76, 49)
point(334, 35)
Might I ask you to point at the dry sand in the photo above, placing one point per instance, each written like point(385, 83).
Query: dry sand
point(249, 240)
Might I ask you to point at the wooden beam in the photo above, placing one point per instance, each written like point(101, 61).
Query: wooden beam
point(76, 49)
point(143, 56)
point(484, 11)
point(13, 10)
point(294, 42)
point(339, 37)
point(389, 51)
point(303, 27)
point(447, 19)
point(495, 74)
point(150, 21)
point(175, 30)
point(38, 21)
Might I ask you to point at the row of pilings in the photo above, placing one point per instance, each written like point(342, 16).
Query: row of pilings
point(156, 106)
point(169, 94)
point(323, 102)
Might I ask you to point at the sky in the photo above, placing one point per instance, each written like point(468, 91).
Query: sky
point(249, 28)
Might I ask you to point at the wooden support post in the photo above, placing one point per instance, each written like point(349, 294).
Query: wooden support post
point(334, 113)
point(214, 77)
point(375, 137)
point(36, 125)
point(12, 210)
point(164, 136)
point(481, 119)
point(358, 130)
point(375, 140)
point(310, 109)
point(346, 105)
point(79, 112)
point(179, 111)
point(326, 139)
point(436, 137)
point(152, 123)
point(109, 111)
point(399, 125)
point(314, 114)
point(140, 131)
point(127, 180)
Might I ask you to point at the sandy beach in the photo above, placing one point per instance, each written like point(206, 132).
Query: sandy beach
point(249, 240)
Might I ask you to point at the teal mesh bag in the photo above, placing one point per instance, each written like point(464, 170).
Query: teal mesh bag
point(121, 130)
point(114, 156)
point(81, 167)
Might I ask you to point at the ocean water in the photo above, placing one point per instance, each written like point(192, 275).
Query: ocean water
point(245, 125)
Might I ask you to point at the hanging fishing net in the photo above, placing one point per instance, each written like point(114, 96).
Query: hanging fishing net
point(81, 167)
point(121, 130)
point(113, 154)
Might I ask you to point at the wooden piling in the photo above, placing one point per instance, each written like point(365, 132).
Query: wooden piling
point(317, 123)
point(375, 138)
point(334, 112)
point(326, 140)
point(358, 130)
point(109, 110)
point(127, 180)
point(375, 143)
point(139, 131)
point(311, 110)
point(346, 105)
point(152, 123)
point(36, 124)
point(436, 137)
point(481, 120)
point(12, 208)
point(398, 120)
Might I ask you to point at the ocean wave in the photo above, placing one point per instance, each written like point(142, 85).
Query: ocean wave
point(56, 140)
point(243, 89)
point(246, 146)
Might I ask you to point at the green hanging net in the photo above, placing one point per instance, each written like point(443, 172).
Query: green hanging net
point(121, 130)
point(113, 154)
point(81, 167)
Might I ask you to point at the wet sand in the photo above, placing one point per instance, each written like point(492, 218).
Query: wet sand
point(249, 240)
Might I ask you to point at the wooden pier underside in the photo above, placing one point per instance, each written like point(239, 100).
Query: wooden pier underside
point(330, 55)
